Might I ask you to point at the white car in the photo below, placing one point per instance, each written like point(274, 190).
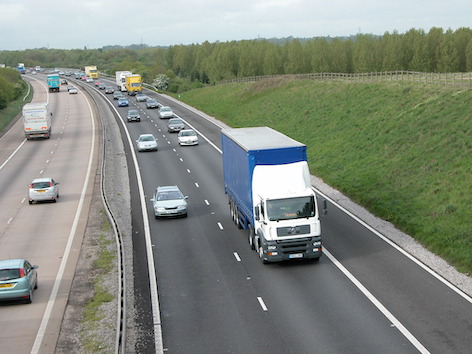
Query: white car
point(43, 189)
point(187, 137)
point(165, 112)
point(146, 142)
point(73, 91)
point(89, 79)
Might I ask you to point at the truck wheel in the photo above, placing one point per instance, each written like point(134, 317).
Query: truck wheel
point(251, 238)
point(231, 209)
point(261, 255)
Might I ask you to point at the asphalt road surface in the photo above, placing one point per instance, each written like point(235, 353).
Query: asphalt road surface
point(47, 234)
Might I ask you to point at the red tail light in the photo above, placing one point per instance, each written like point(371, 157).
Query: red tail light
point(50, 184)
point(22, 272)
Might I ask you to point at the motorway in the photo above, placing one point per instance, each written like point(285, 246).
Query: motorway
point(47, 234)
point(215, 295)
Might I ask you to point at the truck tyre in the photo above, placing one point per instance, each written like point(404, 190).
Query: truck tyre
point(261, 255)
point(251, 238)
point(237, 220)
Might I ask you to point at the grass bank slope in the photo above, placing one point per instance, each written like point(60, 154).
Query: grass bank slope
point(402, 150)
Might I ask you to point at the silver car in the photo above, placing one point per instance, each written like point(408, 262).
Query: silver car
point(43, 189)
point(169, 201)
point(18, 279)
point(187, 137)
point(175, 125)
point(141, 97)
point(165, 112)
point(146, 142)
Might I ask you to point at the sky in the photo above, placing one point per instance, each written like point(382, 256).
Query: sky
point(67, 24)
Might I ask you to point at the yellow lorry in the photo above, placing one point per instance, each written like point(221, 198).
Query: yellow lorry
point(134, 84)
point(91, 71)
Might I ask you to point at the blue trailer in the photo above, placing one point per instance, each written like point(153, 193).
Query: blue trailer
point(268, 185)
point(54, 83)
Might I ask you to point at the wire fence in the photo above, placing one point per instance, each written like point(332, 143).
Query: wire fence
point(452, 79)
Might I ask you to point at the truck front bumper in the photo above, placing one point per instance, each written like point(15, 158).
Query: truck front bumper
point(304, 248)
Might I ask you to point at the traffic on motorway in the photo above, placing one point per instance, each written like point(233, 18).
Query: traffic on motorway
point(207, 215)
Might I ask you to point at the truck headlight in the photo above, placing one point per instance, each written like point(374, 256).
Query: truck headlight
point(271, 247)
point(317, 244)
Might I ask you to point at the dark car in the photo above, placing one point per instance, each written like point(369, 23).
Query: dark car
point(152, 103)
point(109, 89)
point(133, 114)
point(117, 95)
point(175, 125)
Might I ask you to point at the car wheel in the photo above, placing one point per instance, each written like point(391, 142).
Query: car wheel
point(36, 284)
point(54, 200)
point(30, 201)
point(29, 299)
point(139, 119)
point(129, 120)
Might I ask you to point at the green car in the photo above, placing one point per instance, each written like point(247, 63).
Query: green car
point(18, 279)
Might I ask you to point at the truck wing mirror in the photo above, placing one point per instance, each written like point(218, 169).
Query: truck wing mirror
point(256, 213)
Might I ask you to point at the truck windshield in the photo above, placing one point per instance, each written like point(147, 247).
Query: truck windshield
point(291, 208)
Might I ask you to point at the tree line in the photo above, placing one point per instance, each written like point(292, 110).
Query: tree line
point(188, 66)
point(11, 86)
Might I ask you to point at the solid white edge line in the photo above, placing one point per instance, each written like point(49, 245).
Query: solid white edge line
point(376, 303)
point(398, 248)
point(65, 258)
point(13, 154)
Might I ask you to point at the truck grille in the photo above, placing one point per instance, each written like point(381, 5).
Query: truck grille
point(291, 246)
point(293, 231)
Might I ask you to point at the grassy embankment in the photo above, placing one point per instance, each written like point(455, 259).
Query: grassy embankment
point(402, 150)
point(14, 108)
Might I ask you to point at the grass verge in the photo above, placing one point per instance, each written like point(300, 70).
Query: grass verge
point(94, 317)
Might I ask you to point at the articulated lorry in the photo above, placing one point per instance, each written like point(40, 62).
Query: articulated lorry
point(268, 185)
point(91, 71)
point(121, 79)
point(54, 83)
point(36, 120)
point(133, 84)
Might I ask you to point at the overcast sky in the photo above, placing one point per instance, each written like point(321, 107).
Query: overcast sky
point(67, 24)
